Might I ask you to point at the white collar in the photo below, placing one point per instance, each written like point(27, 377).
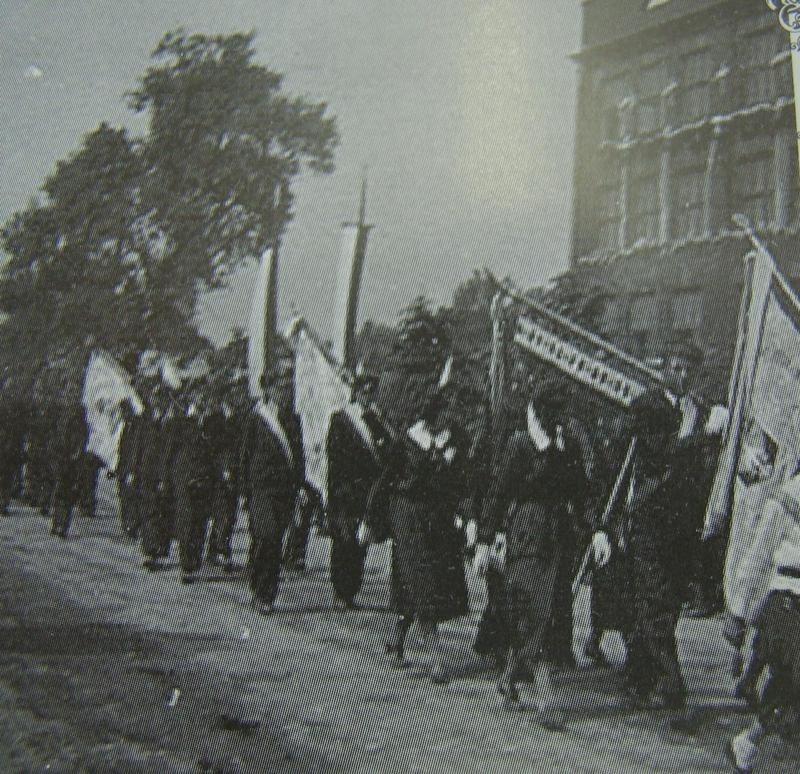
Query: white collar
point(421, 435)
point(537, 434)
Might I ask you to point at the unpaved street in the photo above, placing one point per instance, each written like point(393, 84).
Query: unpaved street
point(104, 667)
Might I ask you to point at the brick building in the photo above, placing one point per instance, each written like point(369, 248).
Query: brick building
point(685, 116)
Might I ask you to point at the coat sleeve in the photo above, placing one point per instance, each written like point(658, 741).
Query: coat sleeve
point(501, 489)
point(378, 503)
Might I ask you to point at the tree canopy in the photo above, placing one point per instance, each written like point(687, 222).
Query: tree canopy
point(129, 230)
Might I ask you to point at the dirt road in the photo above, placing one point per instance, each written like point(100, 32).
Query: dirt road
point(104, 667)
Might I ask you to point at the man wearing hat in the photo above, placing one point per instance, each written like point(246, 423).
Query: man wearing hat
point(543, 476)
point(272, 469)
point(127, 480)
point(355, 446)
point(658, 516)
point(224, 427)
point(152, 467)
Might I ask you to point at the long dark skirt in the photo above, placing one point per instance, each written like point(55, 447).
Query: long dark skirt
point(530, 585)
point(612, 596)
point(427, 563)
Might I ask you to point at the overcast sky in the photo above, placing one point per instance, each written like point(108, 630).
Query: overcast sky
point(461, 110)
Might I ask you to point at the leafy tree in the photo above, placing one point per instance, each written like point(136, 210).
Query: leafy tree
point(130, 230)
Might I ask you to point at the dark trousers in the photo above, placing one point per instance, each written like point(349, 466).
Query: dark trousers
point(559, 639)
point(88, 498)
point(192, 514)
point(294, 555)
point(157, 525)
point(347, 562)
point(778, 647)
point(492, 637)
point(223, 520)
point(270, 514)
point(652, 661)
point(130, 510)
point(64, 498)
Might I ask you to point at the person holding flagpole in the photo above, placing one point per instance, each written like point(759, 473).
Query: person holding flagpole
point(355, 447)
point(272, 470)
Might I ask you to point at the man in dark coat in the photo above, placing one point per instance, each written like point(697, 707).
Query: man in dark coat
point(272, 470)
point(152, 468)
point(610, 604)
point(658, 521)
point(355, 444)
point(543, 475)
point(193, 477)
point(224, 428)
point(67, 452)
point(127, 481)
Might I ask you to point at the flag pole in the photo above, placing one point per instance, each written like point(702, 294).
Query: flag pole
point(789, 19)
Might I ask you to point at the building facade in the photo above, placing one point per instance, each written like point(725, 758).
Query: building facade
point(685, 117)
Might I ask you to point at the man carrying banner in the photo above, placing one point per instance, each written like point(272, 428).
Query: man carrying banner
point(224, 427)
point(193, 478)
point(272, 469)
point(127, 481)
point(67, 453)
point(658, 517)
point(355, 446)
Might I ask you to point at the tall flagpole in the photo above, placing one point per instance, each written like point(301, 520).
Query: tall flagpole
point(348, 284)
point(789, 19)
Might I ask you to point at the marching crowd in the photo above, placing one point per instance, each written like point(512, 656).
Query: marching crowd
point(523, 497)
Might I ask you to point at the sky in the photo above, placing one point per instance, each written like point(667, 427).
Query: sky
point(460, 111)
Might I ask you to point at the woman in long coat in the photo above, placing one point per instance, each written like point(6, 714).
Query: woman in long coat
point(543, 475)
point(414, 502)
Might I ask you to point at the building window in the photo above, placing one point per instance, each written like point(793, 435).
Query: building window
point(688, 189)
point(687, 311)
point(643, 200)
point(759, 81)
point(652, 82)
point(644, 313)
point(754, 179)
point(607, 207)
point(695, 96)
point(614, 320)
point(615, 90)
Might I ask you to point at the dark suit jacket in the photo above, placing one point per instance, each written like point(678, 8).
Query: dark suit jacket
point(548, 488)
point(352, 470)
point(263, 463)
point(194, 456)
point(129, 448)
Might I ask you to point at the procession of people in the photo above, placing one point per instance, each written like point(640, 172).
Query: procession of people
point(522, 501)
